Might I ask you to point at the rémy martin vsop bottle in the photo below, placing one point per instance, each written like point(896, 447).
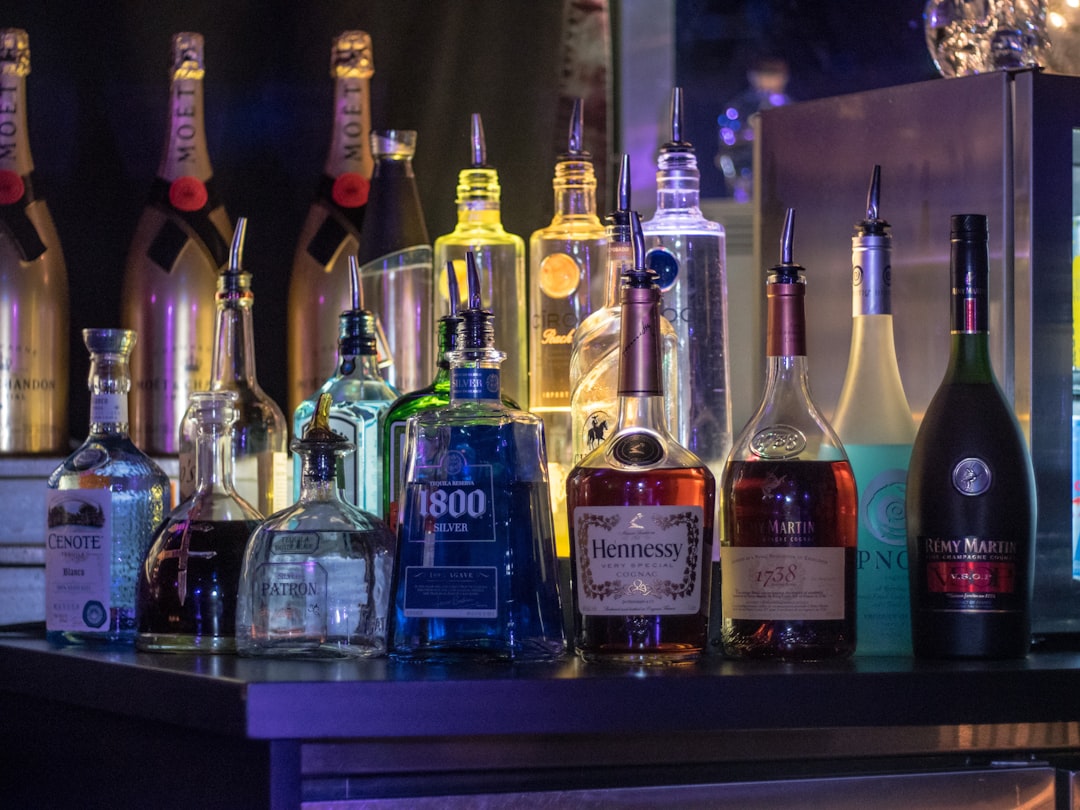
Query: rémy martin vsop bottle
point(319, 285)
point(33, 280)
point(170, 277)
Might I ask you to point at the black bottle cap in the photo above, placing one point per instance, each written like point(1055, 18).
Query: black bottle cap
point(356, 326)
point(619, 219)
point(968, 226)
point(477, 328)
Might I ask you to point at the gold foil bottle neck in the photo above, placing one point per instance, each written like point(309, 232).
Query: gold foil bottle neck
point(14, 52)
point(187, 55)
point(350, 56)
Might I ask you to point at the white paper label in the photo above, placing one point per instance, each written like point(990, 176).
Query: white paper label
point(782, 584)
point(78, 554)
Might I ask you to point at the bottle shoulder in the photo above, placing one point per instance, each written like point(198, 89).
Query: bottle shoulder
point(101, 459)
point(873, 408)
point(689, 221)
point(672, 455)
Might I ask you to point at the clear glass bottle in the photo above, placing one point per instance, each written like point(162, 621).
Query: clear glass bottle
point(360, 398)
point(642, 508)
point(396, 262)
point(500, 260)
point(104, 503)
point(594, 360)
point(874, 422)
point(260, 434)
point(33, 279)
point(180, 243)
point(189, 579)
point(476, 574)
point(788, 504)
point(316, 576)
point(566, 283)
point(688, 253)
point(319, 282)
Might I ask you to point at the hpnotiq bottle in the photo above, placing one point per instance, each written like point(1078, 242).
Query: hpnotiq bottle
point(189, 579)
point(687, 252)
point(180, 243)
point(874, 423)
point(260, 433)
point(566, 283)
point(594, 360)
point(395, 262)
point(104, 503)
point(500, 261)
point(316, 576)
point(359, 398)
point(641, 511)
point(971, 504)
point(33, 279)
point(476, 574)
point(788, 504)
point(319, 284)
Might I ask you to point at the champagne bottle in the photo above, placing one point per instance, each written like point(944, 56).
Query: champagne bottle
point(170, 277)
point(565, 284)
point(641, 510)
point(319, 284)
point(500, 260)
point(788, 504)
point(33, 280)
point(971, 504)
point(874, 423)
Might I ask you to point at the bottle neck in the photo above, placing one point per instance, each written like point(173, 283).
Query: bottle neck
point(620, 257)
point(213, 459)
point(233, 362)
point(475, 375)
point(678, 182)
point(969, 359)
point(445, 343)
point(575, 190)
point(871, 285)
point(185, 153)
point(641, 387)
point(478, 195)
point(14, 137)
point(110, 382)
point(350, 146)
point(318, 476)
point(786, 320)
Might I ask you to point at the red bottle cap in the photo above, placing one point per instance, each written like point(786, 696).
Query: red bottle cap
point(12, 187)
point(350, 190)
point(188, 194)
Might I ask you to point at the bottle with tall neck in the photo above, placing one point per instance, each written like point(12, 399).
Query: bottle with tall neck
point(260, 433)
point(396, 262)
point(594, 360)
point(971, 502)
point(319, 283)
point(181, 241)
point(566, 283)
point(874, 422)
point(788, 503)
point(33, 280)
point(641, 496)
point(500, 260)
point(688, 253)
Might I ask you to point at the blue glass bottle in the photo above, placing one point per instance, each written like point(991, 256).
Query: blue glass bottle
point(476, 574)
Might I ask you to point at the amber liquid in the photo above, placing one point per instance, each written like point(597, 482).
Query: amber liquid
point(655, 639)
point(760, 494)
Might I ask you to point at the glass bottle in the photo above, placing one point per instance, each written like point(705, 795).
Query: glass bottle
point(33, 279)
point(641, 510)
point(360, 397)
point(874, 422)
point(788, 504)
point(189, 579)
point(500, 260)
point(396, 262)
point(104, 503)
point(476, 574)
point(260, 434)
point(319, 283)
point(316, 576)
point(181, 241)
point(594, 359)
point(565, 285)
point(971, 502)
point(688, 253)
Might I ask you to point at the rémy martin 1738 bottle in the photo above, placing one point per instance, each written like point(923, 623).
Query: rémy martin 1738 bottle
point(170, 278)
point(33, 280)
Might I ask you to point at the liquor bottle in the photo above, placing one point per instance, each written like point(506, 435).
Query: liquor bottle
point(476, 574)
point(788, 504)
point(360, 398)
point(316, 576)
point(565, 285)
point(500, 260)
point(594, 359)
point(971, 504)
point(33, 279)
point(396, 262)
point(688, 252)
point(104, 503)
point(874, 423)
point(190, 576)
point(641, 496)
point(319, 283)
point(181, 241)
